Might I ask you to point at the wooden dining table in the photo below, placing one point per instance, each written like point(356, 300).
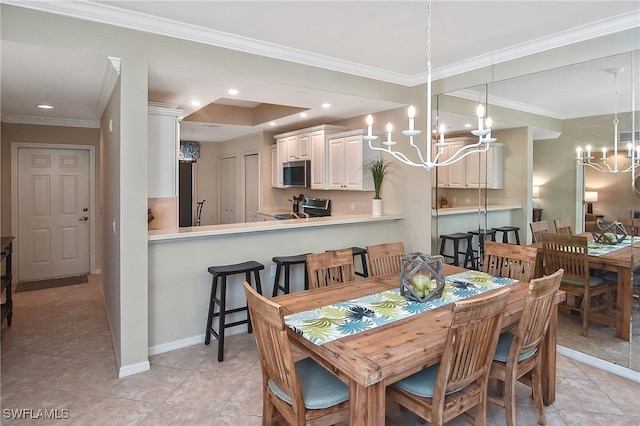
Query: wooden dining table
point(369, 361)
point(624, 261)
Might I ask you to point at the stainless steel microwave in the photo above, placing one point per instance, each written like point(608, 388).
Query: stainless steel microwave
point(296, 174)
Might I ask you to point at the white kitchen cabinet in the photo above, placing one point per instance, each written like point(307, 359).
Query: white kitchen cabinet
point(310, 144)
point(453, 175)
point(163, 144)
point(347, 155)
point(485, 168)
point(276, 168)
point(299, 147)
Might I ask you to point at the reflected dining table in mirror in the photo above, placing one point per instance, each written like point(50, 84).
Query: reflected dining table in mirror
point(369, 359)
point(623, 258)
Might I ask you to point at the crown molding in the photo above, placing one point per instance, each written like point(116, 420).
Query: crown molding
point(44, 121)
point(510, 104)
point(107, 14)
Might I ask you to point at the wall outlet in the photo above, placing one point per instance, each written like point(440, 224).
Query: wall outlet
point(273, 270)
point(353, 206)
point(508, 194)
point(455, 199)
point(467, 200)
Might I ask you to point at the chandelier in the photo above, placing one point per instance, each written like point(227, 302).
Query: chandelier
point(434, 155)
point(584, 157)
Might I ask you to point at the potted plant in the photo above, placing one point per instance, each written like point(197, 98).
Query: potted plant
point(379, 169)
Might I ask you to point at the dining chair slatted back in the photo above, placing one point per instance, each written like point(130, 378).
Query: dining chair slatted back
point(462, 375)
point(520, 352)
point(537, 228)
point(632, 226)
point(331, 267)
point(282, 388)
point(511, 261)
point(590, 294)
point(385, 258)
point(563, 226)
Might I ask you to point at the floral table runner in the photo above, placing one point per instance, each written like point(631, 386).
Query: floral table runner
point(598, 249)
point(322, 325)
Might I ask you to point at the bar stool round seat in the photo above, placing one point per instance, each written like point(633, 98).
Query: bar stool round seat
point(362, 252)
point(286, 262)
point(482, 235)
point(467, 253)
point(505, 233)
point(220, 274)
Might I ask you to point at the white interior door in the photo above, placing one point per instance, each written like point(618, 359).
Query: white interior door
point(251, 185)
point(53, 213)
point(228, 190)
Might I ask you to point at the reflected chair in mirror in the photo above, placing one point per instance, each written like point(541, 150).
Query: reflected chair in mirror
point(537, 228)
point(302, 392)
point(563, 226)
point(458, 383)
point(331, 267)
point(520, 352)
point(590, 295)
point(632, 226)
point(511, 261)
point(385, 258)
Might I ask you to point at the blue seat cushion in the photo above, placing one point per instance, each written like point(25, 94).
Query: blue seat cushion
point(593, 281)
point(613, 276)
point(320, 389)
point(504, 345)
point(421, 383)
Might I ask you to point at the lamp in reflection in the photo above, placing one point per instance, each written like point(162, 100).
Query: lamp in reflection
point(607, 165)
point(590, 197)
point(434, 155)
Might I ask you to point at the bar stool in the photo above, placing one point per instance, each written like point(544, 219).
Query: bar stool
point(223, 272)
point(482, 237)
point(286, 262)
point(505, 233)
point(359, 251)
point(456, 238)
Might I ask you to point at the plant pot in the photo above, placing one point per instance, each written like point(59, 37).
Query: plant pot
point(376, 207)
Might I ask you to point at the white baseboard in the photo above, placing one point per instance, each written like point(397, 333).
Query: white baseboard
point(129, 370)
point(616, 369)
point(176, 344)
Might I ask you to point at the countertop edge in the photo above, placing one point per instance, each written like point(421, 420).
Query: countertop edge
point(264, 226)
point(462, 210)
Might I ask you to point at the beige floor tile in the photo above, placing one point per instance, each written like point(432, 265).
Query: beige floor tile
point(165, 414)
point(204, 389)
point(116, 411)
point(583, 394)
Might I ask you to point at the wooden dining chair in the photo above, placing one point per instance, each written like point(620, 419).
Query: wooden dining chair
point(459, 382)
point(520, 352)
point(385, 258)
point(590, 294)
point(563, 226)
point(537, 228)
point(302, 392)
point(632, 226)
point(511, 261)
point(331, 267)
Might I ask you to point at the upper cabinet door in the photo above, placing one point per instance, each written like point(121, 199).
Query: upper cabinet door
point(163, 145)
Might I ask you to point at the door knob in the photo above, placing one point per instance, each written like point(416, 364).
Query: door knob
point(83, 219)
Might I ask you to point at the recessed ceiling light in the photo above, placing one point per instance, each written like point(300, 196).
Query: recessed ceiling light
point(303, 114)
point(195, 103)
point(272, 123)
point(233, 92)
point(44, 105)
point(326, 105)
point(467, 125)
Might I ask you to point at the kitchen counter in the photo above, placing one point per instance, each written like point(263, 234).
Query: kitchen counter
point(264, 226)
point(180, 284)
point(473, 209)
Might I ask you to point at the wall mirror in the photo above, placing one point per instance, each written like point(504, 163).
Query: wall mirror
point(558, 110)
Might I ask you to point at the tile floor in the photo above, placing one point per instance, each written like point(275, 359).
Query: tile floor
point(58, 356)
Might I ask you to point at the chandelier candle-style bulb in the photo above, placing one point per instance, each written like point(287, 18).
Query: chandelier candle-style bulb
point(389, 129)
point(442, 133)
point(369, 125)
point(480, 113)
point(412, 114)
point(604, 154)
point(588, 151)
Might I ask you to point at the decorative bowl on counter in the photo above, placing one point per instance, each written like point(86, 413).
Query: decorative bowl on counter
point(422, 277)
